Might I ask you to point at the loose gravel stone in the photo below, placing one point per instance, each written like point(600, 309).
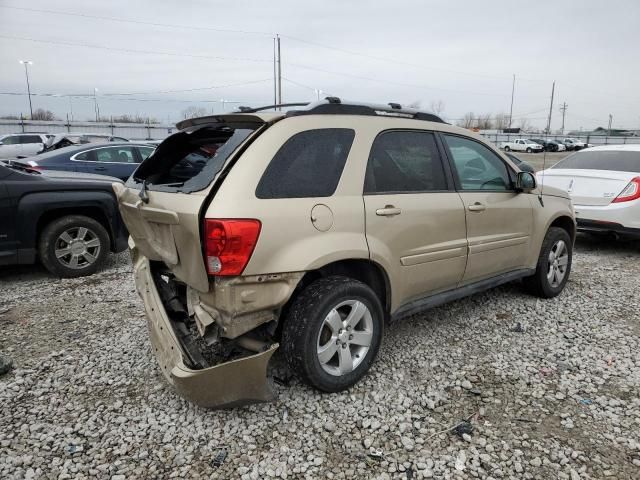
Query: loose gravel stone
point(558, 399)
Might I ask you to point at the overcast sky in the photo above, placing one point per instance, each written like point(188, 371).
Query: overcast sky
point(461, 52)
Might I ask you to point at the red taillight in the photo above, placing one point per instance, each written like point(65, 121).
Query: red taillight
point(630, 192)
point(229, 244)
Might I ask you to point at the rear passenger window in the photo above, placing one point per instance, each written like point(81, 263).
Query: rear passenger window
point(30, 139)
point(404, 161)
point(309, 164)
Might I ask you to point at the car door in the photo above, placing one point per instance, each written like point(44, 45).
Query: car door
point(117, 161)
point(10, 147)
point(31, 145)
point(499, 219)
point(415, 221)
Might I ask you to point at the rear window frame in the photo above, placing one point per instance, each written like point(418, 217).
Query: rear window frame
point(257, 129)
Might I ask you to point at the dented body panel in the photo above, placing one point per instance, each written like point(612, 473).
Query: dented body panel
point(237, 382)
point(237, 305)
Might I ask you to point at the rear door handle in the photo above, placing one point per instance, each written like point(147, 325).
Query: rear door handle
point(388, 211)
point(100, 168)
point(477, 207)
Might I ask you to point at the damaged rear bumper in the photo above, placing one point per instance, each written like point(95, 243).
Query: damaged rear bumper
point(233, 383)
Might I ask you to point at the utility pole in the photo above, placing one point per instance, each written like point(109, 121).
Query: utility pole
point(553, 89)
point(275, 74)
point(563, 109)
point(610, 120)
point(513, 89)
point(279, 73)
point(26, 73)
point(95, 104)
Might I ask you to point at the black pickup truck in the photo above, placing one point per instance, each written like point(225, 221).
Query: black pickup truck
point(69, 221)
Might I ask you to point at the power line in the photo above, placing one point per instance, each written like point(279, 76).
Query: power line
point(130, 50)
point(291, 37)
point(185, 90)
point(390, 82)
point(138, 22)
point(89, 96)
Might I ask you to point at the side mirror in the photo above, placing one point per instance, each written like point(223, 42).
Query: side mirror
point(525, 181)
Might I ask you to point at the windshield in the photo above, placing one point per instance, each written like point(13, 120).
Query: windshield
point(189, 161)
point(618, 161)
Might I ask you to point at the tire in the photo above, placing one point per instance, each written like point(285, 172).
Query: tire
point(507, 148)
point(529, 150)
point(306, 330)
point(539, 283)
point(90, 251)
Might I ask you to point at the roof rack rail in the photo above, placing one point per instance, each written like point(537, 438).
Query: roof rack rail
point(335, 106)
point(269, 107)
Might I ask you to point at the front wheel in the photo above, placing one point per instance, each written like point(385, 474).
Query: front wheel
point(332, 333)
point(529, 150)
point(554, 264)
point(73, 246)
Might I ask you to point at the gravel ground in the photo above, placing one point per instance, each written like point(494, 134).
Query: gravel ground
point(537, 389)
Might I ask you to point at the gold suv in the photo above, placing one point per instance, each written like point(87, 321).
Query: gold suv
point(311, 229)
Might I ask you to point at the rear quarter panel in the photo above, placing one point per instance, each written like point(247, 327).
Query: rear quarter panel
point(288, 240)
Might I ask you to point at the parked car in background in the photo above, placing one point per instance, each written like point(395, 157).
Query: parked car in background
point(604, 184)
point(521, 145)
point(114, 159)
point(575, 144)
point(62, 140)
point(309, 229)
point(547, 145)
point(20, 145)
point(68, 221)
point(521, 164)
point(560, 147)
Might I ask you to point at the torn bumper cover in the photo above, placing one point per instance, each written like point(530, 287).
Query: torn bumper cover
point(233, 383)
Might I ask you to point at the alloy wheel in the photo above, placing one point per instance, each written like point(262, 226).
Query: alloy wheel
point(558, 262)
point(345, 337)
point(77, 247)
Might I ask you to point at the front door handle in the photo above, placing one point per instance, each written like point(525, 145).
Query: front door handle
point(477, 207)
point(388, 211)
point(101, 169)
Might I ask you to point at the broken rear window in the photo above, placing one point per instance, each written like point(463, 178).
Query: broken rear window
point(188, 161)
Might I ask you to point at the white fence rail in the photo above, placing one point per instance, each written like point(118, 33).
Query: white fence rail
point(132, 131)
point(498, 138)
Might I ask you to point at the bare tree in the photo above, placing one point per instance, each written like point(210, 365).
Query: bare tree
point(501, 121)
point(137, 118)
point(484, 122)
point(468, 121)
point(437, 106)
point(193, 112)
point(41, 114)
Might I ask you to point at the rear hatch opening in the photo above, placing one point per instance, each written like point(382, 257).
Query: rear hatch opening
point(188, 161)
point(163, 202)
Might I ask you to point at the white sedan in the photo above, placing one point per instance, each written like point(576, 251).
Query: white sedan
point(604, 186)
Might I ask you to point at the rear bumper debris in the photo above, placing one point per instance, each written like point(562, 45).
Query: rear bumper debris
point(233, 383)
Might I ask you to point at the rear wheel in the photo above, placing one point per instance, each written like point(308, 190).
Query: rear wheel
point(507, 148)
point(332, 333)
point(554, 264)
point(73, 246)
